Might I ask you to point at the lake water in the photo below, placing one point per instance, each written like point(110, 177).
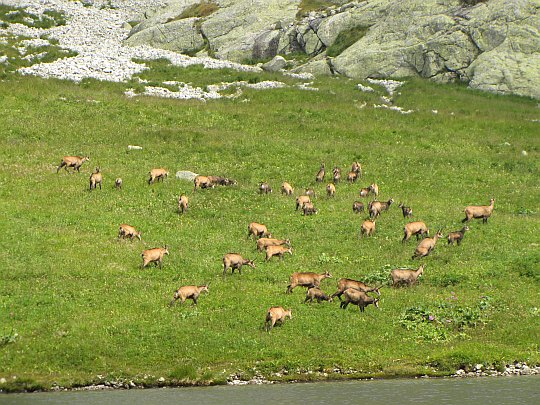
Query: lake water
point(478, 391)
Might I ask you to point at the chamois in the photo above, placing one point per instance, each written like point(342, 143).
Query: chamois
point(309, 192)
point(356, 168)
point(359, 298)
point(425, 247)
point(95, 179)
point(406, 276)
point(374, 188)
point(263, 243)
point(272, 251)
point(479, 211)
point(345, 283)
point(189, 292)
point(376, 207)
point(352, 177)
point(358, 207)
point(72, 161)
point(368, 227)
point(202, 182)
point(407, 211)
point(274, 315)
point(330, 190)
point(457, 236)
point(417, 228)
point(320, 175)
point(128, 231)
point(258, 230)
point(264, 188)
point(221, 181)
point(235, 261)
point(182, 204)
point(309, 209)
point(157, 174)
point(318, 294)
point(154, 255)
point(337, 174)
point(287, 189)
point(364, 192)
point(118, 183)
point(306, 280)
point(301, 201)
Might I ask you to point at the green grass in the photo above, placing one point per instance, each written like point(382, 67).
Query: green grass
point(200, 10)
point(75, 304)
point(307, 6)
point(345, 39)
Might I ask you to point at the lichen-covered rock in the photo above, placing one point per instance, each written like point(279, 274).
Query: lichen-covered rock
point(276, 64)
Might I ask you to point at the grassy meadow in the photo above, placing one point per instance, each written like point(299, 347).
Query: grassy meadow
point(76, 307)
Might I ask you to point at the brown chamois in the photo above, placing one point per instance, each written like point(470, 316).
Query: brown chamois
point(274, 315)
point(154, 255)
point(157, 174)
point(406, 276)
point(407, 211)
point(258, 230)
point(309, 209)
point(118, 183)
point(306, 280)
point(191, 292)
point(479, 211)
point(417, 228)
point(336, 174)
point(95, 179)
point(72, 161)
point(202, 182)
point(330, 190)
point(263, 243)
point(128, 231)
point(359, 298)
point(182, 204)
point(309, 192)
point(425, 247)
point(358, 207)
point(264, 188)
point(272, 251)
point(368, 227)
point(374, 188)
point(457, 236)
point(235, 261)
point(376, 207)
point(356, 167)
point(287, 189)
point(364, 192)
point(345, 283)
point(320, 175)
point(301, 201)
point(318, 294)
point(352, 177)
point(221, 181)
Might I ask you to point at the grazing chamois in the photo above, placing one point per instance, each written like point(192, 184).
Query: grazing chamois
point(406, 276)
point(72, 161)
point(368, 227)
point(154, 255)
point(336, 175)
point(275, 315)
point(359, 298)
point(307, 279)
point(234, 261)
point(417, 228)
point(352, 177)
point(264, 188)
point(118, 183)
point(128, 231)
point(309, 192)
point(345, 283)
point(317, 294)
point(358, 207)
point(425, 247)
point(263, 243)
point(157, 174)
point(258, 230)
point(364, 192)
point(221, 181)
point(479, 211)
point(191, 292)
point(287, 189)
point(301, 201)
point(272, 251)
point(407, 211)
point(309, 209)
point(376, 207)
point(320, 174)
point(95, 179)
point(330, 190)
point(182, 204)
point(457, 236)
point(202, 182)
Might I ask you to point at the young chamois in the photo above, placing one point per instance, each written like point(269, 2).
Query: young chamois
point(320, 174)
point(479, 211)
point(95, 179)
point(287, 189)
point(359, 298)
point(356, 167)
point(330, 190)
point(309, 192)
point(301, 201)
point(258, 230)
point(336, 174)
point(374, 188)
point(457, 236)
point(118, 183)
point(221, 181)
point(154, 255)
point(358, 207)
point(202, 182)
point(275, 315)
point(317, 294)
point(425, 247)
point(352, 177)
point(309, 209)
point(407, 211)
point(272, 251)
point(182, 204)
point(376, 207)
point(345, 283)
point(368, 227)
point(417, 228)
point(128, 231)
point(72, 161)
point(364, 192)
point(306, 280)
point(191, 292)
point(234, 261)
point(157, 174)
point(406, 276)
point(264, 188)
point(263, 243)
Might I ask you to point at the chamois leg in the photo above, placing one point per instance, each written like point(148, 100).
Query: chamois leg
point(194, 301)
